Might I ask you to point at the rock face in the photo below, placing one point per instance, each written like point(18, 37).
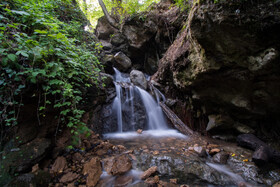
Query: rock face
point(138, 78)
point(143, 38)
point(226, 63)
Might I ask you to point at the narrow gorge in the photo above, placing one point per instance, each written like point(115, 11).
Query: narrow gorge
point(187, 95)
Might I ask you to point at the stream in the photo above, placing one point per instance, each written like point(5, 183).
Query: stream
point(189, 160)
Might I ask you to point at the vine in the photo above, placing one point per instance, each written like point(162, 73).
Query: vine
point(48, 51)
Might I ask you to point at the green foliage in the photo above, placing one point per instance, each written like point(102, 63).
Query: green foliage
point(128, 7)
point(183, 4)
point(42, 47)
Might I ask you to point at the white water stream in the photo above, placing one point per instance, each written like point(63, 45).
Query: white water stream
point(125, 96)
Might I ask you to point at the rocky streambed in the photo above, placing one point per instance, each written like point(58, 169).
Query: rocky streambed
point(195, 161)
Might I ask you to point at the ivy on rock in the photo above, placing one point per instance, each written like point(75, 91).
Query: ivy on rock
point(43, 46)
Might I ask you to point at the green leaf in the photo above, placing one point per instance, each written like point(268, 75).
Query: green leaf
point(41, 31)
point(20, 12)
point(22, 53)
point(12, 57)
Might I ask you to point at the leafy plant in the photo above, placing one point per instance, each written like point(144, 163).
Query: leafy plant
point(44, 47)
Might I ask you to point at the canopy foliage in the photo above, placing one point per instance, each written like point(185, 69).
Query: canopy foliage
point(93, 11)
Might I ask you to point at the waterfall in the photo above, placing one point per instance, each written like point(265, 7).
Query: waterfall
point(123, 105)
point(154, 112)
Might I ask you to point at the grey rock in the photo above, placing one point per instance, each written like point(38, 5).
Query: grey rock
point(123, 63)
point(221, 158)
point(138, 79)
point(118, 39)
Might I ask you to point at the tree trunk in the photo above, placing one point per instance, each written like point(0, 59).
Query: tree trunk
point(178, 124)
point(111, 21)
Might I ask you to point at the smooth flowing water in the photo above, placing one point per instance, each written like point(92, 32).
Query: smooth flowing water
point(123, 105)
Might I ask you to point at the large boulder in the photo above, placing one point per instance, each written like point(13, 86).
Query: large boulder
point(103, 29)
point(122, 62)
point(138, 78)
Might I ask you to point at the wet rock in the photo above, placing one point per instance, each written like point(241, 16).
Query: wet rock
point(93, 170)
point(123, 181)
point(69, 177)
point(200, 150)
point(214, 151)
point(221, 158)
point(117, 165)
point(249, 171)
point(139, 131)
point(186, 169)
point(140, 184)
point(138, 78)
point(59, 165)
point(152, 180)
point(261, 156)
point(148, 172)
point(122, 62)
point(263, 153)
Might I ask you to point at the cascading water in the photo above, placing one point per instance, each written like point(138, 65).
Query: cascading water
point(134, 108)
point(156, 120)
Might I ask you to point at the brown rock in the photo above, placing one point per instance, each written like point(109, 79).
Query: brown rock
point(117, 165)
point(93, 170)
point(71, 184)
point(214, 151)
point(277, 184)
point(155, 152)
point(139, 131)
point(59, 165)
point(184, 185)
point(166, 184)
point(121, 147)
point(122, 181)
point(77, 157)
point(152, 180)
point(174, 181)
point(69, 177)
point(35, 168)
point(200, 150)
point(148, 172)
